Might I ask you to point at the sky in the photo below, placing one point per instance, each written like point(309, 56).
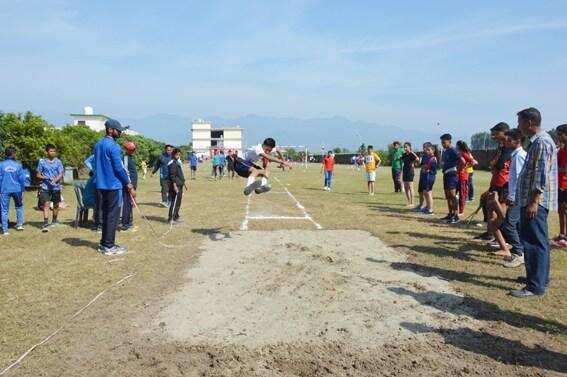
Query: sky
point(466, 65)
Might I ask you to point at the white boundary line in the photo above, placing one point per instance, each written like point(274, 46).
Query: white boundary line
point(278, 218)
point(244, 225)
point(299, 205)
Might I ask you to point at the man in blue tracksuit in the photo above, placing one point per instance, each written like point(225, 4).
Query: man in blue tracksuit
point(12, 185)
point(111, 178)
point(161, 165)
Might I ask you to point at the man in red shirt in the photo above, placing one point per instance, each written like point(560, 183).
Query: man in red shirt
point(327, 168)
point(561, 240)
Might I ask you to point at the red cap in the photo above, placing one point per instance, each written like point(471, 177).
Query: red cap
point(129, 146)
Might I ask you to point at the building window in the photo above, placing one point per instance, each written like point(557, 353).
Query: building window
point(81, 123)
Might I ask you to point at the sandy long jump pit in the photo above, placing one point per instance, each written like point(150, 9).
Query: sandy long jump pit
point(298, 287)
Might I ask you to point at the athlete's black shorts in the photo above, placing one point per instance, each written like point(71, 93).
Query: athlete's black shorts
point(46, 196)
point(501, 191)
point(242, 167)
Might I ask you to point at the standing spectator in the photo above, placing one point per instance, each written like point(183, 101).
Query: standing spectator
point(176, 181)
point(409, 158)
point(12, 186)
point(111, 178)
point(327, 169)
point(230, 160)
point(97, 198)
point(222, 163)
point(466, 159)
point(193, 163)
point(132, 170)
point(496, 204)
point(511, 226)
point(450, 159)
point(50, 172)
point(536, 193)
point(470, 171)
point(371, 163)
point(161, 165)
point(144, 166)
point(427, 176)
point(396, 160)
point(216, 164)
point(561, 240)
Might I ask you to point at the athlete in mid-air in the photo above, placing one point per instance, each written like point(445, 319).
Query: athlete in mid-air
point(247, 167)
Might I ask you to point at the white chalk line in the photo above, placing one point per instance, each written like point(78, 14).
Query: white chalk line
point(278, 218)
point(244, 225)
point(299, 205)
point(23, 356)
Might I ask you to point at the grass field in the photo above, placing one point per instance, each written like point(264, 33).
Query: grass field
point(45, 278)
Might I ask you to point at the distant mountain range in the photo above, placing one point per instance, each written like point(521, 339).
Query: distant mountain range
point(316, 133)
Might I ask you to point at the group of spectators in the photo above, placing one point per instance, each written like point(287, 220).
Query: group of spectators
point(222, 163)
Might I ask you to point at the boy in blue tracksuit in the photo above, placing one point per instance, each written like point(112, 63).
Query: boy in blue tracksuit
point(193, 162)
point(12, 185)
point(111, 177)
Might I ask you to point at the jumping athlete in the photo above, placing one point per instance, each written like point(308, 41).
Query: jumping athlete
point(247, 168)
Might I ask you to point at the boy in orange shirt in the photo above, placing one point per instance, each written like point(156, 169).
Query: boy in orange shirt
point(327, 168)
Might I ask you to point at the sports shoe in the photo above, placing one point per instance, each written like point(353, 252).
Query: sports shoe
point(251, 187)
point(454, 220)
point(263, 189)
point(522, 293)
point(45, 228)
point(427, 211)
point(6, 233)
point(114, 250)
point(448, 217)
point(19, 227)
point(55, 223)
point(514, 261)
point(418, 209)
point(164, 204)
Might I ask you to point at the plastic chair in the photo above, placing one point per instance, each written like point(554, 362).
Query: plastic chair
point(82, 212)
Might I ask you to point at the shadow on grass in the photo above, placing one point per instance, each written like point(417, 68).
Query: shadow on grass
point(214, 234)
point(449, 275)
point(80, 242)
point(503, 350)
point(481, 310)
point(159, 219)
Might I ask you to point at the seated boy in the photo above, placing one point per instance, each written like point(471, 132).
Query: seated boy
point(246, 167)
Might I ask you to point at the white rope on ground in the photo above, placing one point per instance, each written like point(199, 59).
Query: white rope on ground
point(77, 313)
point(299, 205)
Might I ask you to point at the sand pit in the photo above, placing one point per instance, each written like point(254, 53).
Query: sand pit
point(303, 287)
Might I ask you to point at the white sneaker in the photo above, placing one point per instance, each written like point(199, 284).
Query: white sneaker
point(19, 227)
point(515, 261)
point(251, 187)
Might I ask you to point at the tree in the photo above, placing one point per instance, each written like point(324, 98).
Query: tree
point(362, 148)
point(483, 141)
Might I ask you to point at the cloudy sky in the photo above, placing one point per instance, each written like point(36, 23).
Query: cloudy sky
point(408, 63)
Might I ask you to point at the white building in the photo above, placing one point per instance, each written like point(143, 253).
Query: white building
point(205, 138)
point(94, 121)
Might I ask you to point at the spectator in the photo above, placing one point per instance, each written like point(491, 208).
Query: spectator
point(536, 194)
point(409, 159)
point(450, 159)
point(561, 240)
point(50, 172)
point(193, 163)
point(396, 160)
point(161, 165)
point(111, 177)
point(466, 159)
point(12, 186)
point(222, 163)
point(216, 164)
point(176, 181)
point(327, 169)
point(510, 227)
point(132, 170)
point(230, 160)
point(144, 166)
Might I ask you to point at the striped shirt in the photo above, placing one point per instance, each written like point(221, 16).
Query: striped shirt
point(539, 173)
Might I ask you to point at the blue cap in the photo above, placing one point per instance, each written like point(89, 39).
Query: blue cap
point(113, 123)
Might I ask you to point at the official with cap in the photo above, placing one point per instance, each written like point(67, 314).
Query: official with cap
point(111, 179)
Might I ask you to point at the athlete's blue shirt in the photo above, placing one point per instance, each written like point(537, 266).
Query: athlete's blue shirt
point(50, 169)
point(450, 159)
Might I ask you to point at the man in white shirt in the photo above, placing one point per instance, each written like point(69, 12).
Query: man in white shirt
point(247, 168)
point(511, 225)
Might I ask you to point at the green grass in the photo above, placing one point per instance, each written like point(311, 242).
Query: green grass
point(45, 278)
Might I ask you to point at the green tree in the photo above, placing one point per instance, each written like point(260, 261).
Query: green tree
point(483, 141)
